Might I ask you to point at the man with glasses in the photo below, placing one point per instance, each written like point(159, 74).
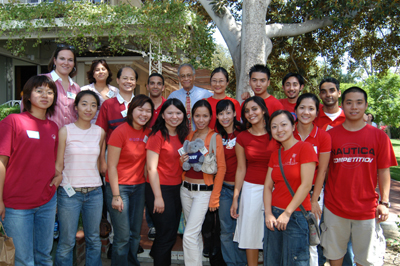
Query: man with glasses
point(189, 94)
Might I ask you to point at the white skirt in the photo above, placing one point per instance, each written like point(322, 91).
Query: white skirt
point(249, 231)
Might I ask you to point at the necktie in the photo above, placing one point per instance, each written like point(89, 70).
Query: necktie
point(188, 110)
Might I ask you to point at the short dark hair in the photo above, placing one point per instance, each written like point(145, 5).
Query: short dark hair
point(182, 130)
point(220, 70)
point(331, 80)
point(155, 75)
point(279, 112)
point(260, 68)
point(354, 89)
point(201, 103)
point(308, 96)
point(33, 83)
point(83, 93)
point(59, 48)
point(93, 66)
point(373, 117)
point(261, 103)
point(222, 106)
point(299, 78)
point(122, 69)
point(139, 101)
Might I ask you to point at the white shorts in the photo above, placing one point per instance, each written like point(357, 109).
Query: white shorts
point(249, 231)
point(366, 237)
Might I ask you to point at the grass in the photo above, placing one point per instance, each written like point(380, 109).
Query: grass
point(395, 170)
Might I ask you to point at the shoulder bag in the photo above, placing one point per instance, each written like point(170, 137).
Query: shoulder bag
point(210, 160)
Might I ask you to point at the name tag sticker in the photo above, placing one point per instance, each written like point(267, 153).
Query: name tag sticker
point(231, 144)
point(181, 151)
point(110, 94)
point(71, 95)
point(33, 134)
point(328, 127)
point(203, 150)
point(316, 149)
point(145, 139)
point(124, 113)
point(69, 190)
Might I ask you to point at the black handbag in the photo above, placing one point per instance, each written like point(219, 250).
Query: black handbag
point(315, 235)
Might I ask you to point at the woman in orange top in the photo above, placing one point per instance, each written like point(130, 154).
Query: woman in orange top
point(200, 191)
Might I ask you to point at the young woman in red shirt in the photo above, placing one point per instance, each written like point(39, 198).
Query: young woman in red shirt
point(253, 150)
point(286, 240)
point(165, 177)
point(125, 187)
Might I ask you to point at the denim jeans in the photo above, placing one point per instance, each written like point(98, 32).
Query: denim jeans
point(69, 209)
point(288, 247)
point(126, 224)
point(230, 250)
point(32, 231)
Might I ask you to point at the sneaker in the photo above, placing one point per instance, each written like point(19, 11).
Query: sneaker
point(152, 233)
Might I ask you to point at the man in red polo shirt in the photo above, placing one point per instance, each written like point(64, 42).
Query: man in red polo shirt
point(330, 114)
point(155, 87)
point(292, 85)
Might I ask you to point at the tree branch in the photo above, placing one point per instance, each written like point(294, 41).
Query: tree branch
point(286, 30)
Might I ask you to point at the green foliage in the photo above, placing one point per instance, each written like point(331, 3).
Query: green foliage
point(395, 170)
point(5, 110)
point(179, 31)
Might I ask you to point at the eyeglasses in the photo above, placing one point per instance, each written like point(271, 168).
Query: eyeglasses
point(41, 92)
point(61, 45)
point(216, 82)
point(187, 76)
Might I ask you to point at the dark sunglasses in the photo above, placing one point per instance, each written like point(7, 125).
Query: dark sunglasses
point(66, 46)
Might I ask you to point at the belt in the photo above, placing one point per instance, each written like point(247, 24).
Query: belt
point(228, 186)
point(197, 187)
point(84, 190)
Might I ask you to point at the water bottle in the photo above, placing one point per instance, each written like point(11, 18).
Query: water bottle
point(56, 231)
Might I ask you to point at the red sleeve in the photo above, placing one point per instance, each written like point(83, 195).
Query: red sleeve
point(155, 142)
point(273, 159)
point(6, 136)
point(325, 141)
point(102, 117)
point(239, 139)
point(308, 154)
point(117, 137)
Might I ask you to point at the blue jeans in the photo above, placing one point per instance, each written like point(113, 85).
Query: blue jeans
point(126, 224)
point(69, 209)
point(32, 231)
point(288, 247)
point(231, 253)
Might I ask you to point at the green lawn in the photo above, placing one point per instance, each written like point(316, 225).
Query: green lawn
point(395, 170)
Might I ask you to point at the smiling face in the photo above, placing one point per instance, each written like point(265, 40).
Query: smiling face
point(259, 83)
point(354, 106)
point(155, 87)
point(173, 117)
point(100, 73)
point(87, 107)
point(218, 83)
point(306, 111)
point(281, 128)
point(292, 88)
point(64, 62)
point(141, 115)
point(226, 118)
point(253, 113)
point(186, 78)
point(329, 94)
point(201, 117)
point(41, 98)
point(127, 81)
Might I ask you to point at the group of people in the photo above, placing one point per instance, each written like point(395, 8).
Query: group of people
point(53, 155)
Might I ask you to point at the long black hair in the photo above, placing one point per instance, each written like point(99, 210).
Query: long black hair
point(159, 125)
point(222, 106)
point(260, 102)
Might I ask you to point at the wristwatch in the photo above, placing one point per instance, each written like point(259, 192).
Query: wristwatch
point(387, 204)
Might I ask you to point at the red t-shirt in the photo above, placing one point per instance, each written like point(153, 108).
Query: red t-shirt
point(230, 156)
point(288, 106)
point(353, 167)
point(110, 116)
point(258, 150)
point(292, 159)
point(133, 154)
point(156, 113)
point(213, 102)
point(31, 145)
point(319, 139)
point(168, 168)
point(325, 123)
point(272, 104)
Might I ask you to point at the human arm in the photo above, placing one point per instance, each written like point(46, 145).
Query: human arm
point(245, 95)
point(382, 212)
point(270, 220)
point(102, 159)
point(219, 177)
point(112, 163)
point(62, 140)
point(323, 162)
point(239, 178)
point(3, 167)
point(102, 145)
point(152, 163)
point(307, 171)
point(103, 123)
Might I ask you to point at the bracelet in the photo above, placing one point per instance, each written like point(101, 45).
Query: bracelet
point(114, 196)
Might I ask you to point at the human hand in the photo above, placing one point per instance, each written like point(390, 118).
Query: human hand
point(2, 210)
point(282, 221)
point(184, 157)
point(159, 205)
point(270, 221)
point(117, 203)
point(103, 167)
point(57, 179)
point(245, 95)
point(234, 208)
point(382, 213)
point(316, 210)
point(213, 209)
